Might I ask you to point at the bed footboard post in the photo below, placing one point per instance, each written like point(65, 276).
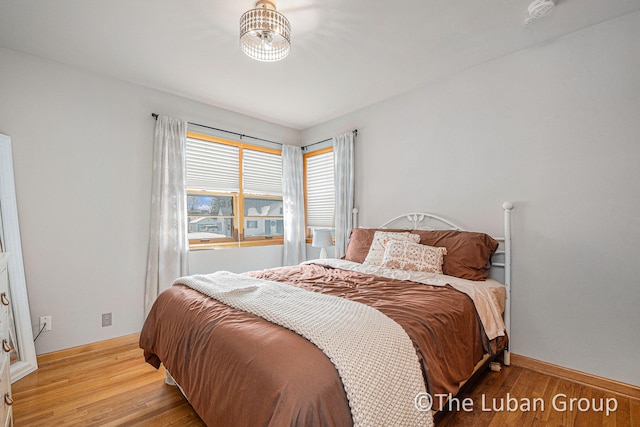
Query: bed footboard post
point(508, 207)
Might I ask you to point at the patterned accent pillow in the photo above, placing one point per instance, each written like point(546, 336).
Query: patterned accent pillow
point(404, 255)
point(379, 244)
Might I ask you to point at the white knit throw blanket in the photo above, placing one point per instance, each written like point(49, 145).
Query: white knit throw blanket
point(373, 355)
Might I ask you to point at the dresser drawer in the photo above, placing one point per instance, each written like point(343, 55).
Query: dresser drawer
point(4, 301)
point(4, 308)
point(4, 281)
point(4, 326)
point(5, 389)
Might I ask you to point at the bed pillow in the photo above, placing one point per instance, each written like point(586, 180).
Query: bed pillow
point(379, 244)
point(405, 255)
point(360, 242)
point(468, 253)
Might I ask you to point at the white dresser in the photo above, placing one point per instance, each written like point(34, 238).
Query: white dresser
point(6, 415)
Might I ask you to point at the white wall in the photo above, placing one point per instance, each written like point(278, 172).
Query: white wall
point(82, 147)
point(236, 260)
point(555, 129)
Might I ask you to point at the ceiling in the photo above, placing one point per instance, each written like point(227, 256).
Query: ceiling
point(345, 55)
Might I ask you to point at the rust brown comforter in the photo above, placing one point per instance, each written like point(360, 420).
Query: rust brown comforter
point(240, 370)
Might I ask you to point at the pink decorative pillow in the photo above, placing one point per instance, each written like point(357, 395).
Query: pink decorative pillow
point(404, 255)
point(379, 244)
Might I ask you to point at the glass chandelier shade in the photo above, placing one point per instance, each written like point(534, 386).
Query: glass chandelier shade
point(265, 34)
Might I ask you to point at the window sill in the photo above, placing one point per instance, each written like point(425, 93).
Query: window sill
point(228, 245)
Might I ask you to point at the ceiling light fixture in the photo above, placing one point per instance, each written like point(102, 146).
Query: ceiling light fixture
point(265, 34)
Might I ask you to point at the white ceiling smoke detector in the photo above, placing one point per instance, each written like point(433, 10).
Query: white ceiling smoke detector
point(540, 8)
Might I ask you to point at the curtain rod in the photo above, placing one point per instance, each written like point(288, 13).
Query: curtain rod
point(304, 148)
point(241, 135)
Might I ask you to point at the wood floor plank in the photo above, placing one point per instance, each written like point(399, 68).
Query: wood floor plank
point(634, 412)
point(620, 417)
point(486, 387)
point(547, 396)
point(110, 385)
point(585, 396)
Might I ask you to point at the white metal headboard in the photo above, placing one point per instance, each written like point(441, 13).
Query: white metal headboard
point(429, 221)
point(420, 221)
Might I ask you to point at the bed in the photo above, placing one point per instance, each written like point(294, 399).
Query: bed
point(436, 328)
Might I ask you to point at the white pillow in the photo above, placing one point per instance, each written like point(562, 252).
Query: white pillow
point(403, 255)
point(379, 244)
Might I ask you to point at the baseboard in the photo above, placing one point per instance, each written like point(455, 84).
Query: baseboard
point(582, 378)
point(83, 349)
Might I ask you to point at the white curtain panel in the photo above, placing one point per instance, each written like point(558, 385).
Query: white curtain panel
point(293, 201)
point(343, 154)
point(168, 244)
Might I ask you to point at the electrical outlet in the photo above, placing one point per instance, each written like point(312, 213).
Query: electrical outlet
point(45, 323)
point(106, 319)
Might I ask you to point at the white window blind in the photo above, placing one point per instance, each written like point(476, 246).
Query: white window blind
point(261, 173)
point(212, 166)
point(320, 190)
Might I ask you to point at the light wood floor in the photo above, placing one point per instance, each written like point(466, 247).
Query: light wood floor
point(105, 387)
point(113, 386)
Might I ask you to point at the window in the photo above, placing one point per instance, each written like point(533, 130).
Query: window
point(319, 189)
point(234, 193)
